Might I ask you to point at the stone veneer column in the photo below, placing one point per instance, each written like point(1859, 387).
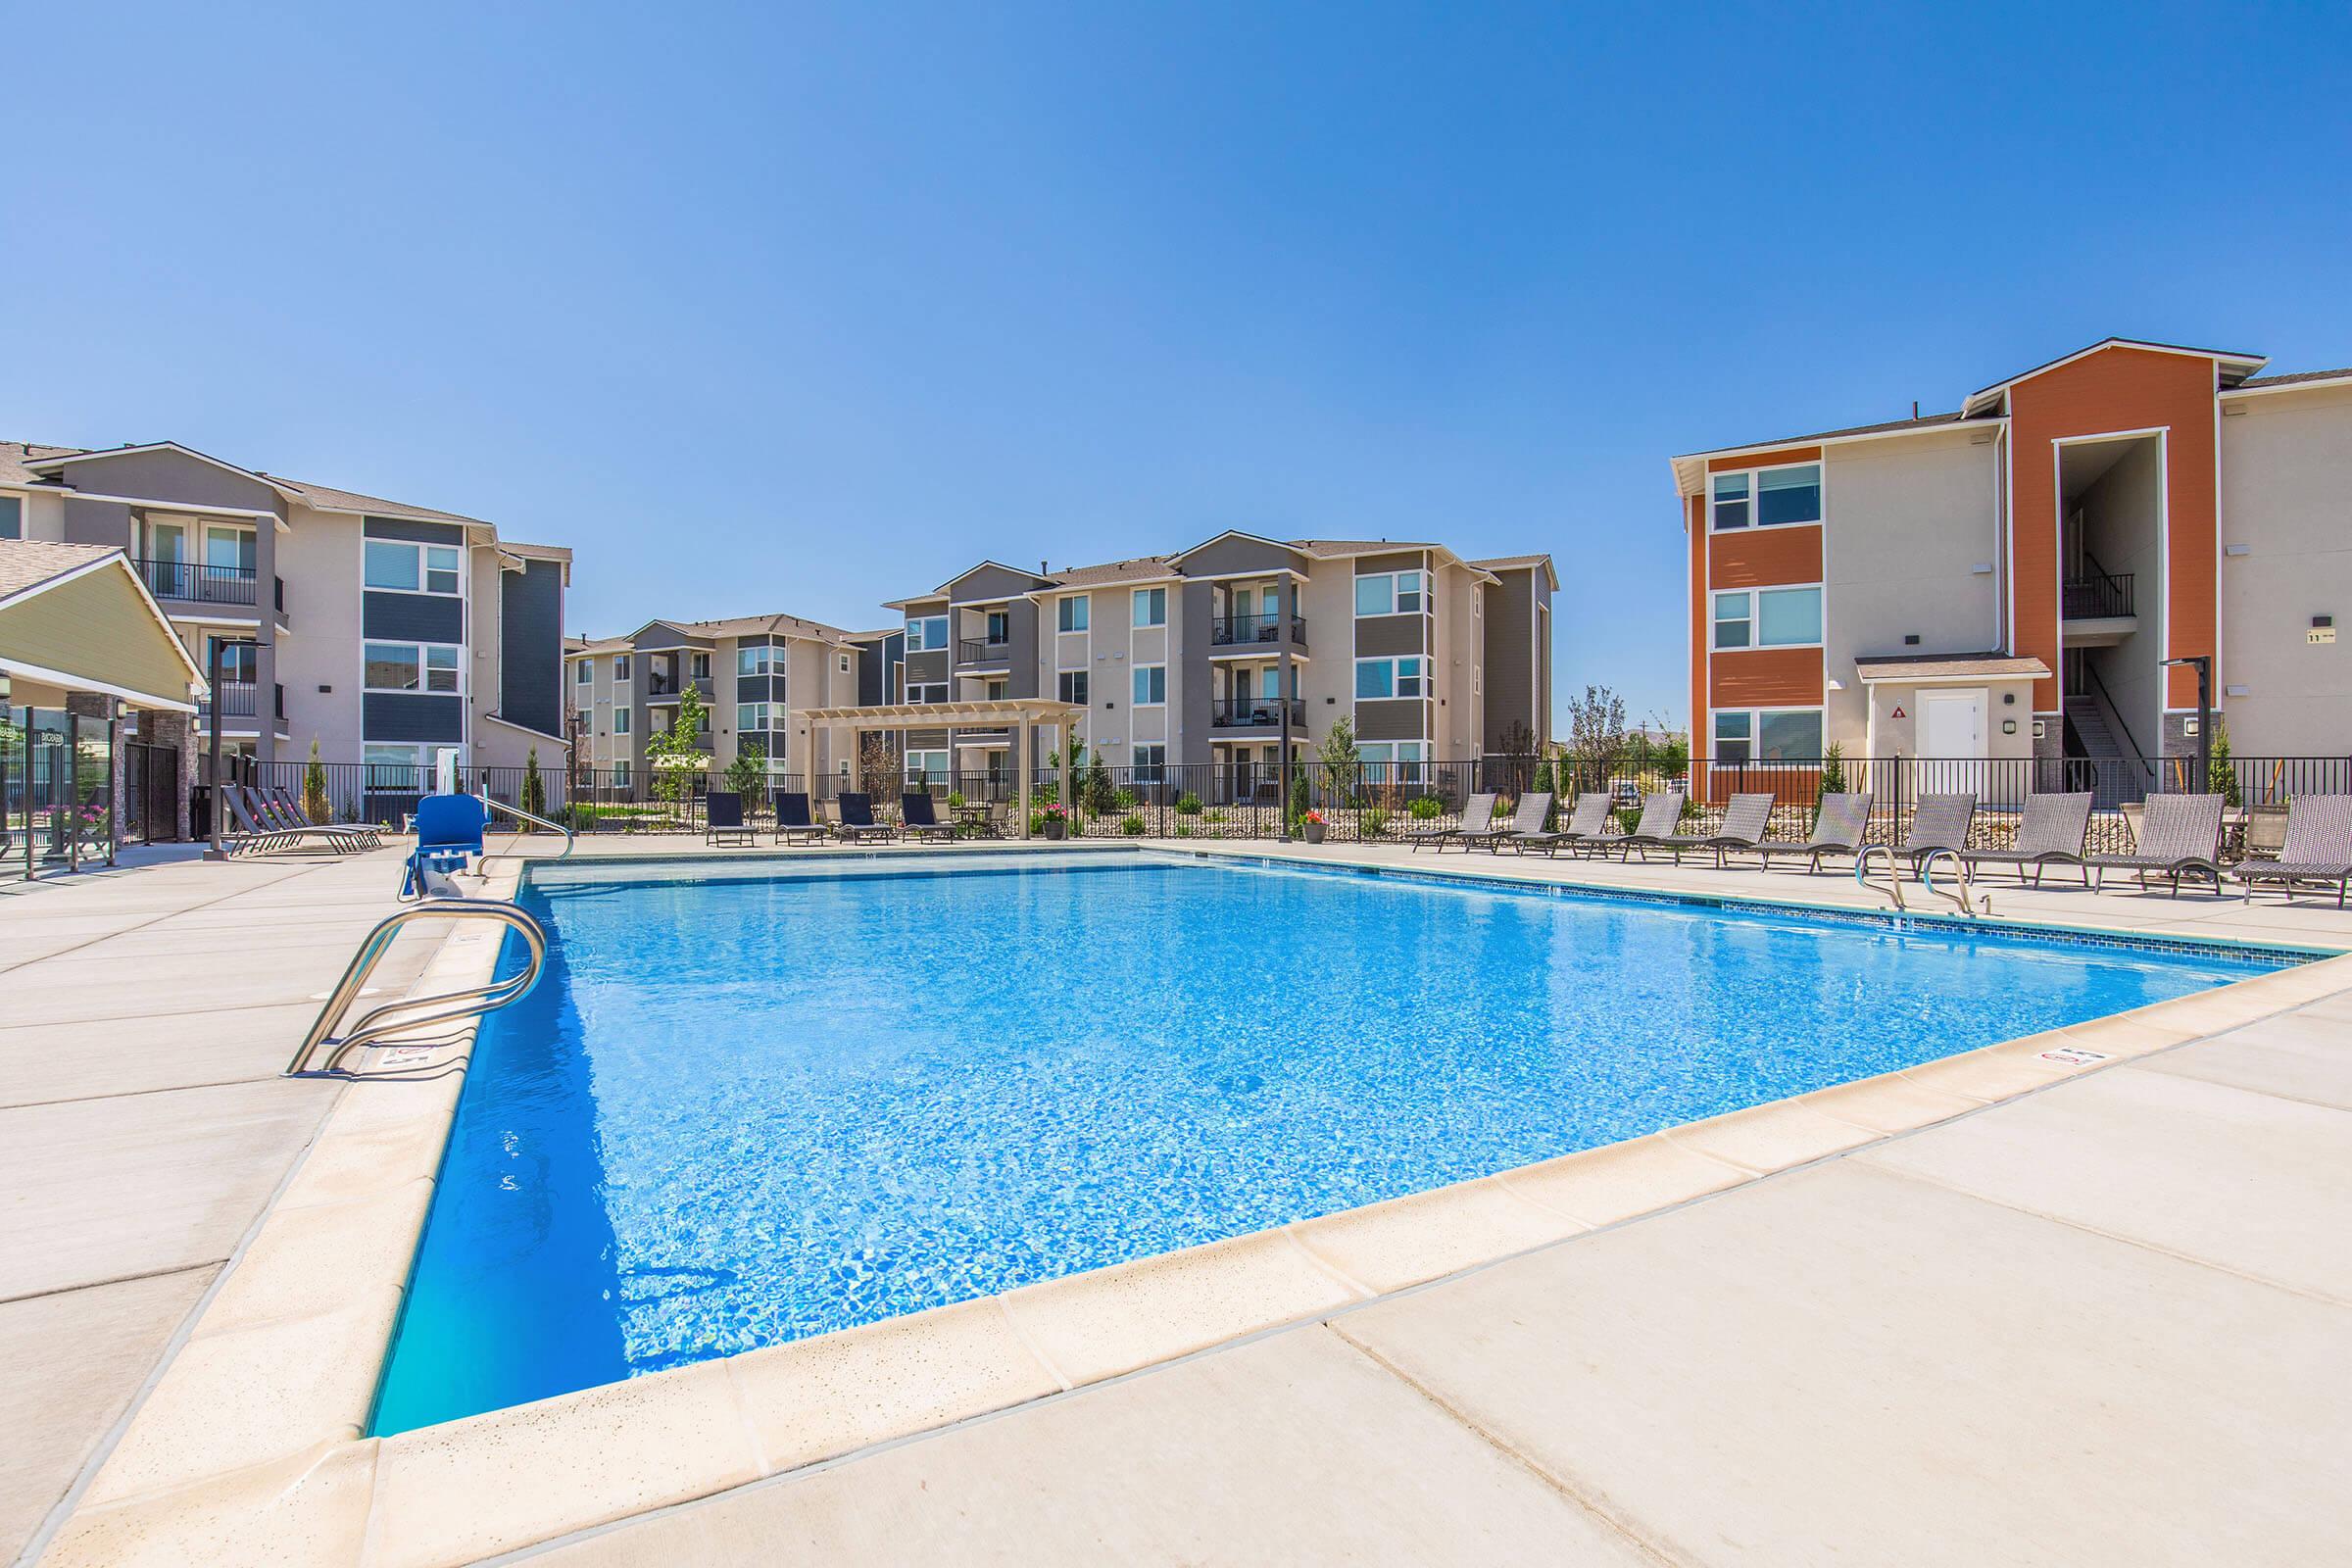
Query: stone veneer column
point(175, 733)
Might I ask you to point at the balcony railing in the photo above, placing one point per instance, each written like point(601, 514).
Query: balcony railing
point(1228, 630)
point(658, 686)
point(237, 699)
point(2100, 596)
point(1254, 712)
point(201, 584)
point(981, 651)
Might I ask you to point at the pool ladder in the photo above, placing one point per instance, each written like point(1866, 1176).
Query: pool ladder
point(535, 820)
point(1893, 888)
point(1967, 901)
point(414, 1014)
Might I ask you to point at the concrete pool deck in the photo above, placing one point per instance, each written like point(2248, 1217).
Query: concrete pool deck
point(2009, 1334)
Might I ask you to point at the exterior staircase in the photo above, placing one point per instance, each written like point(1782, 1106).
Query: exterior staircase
point(2090, 726)
point(2111, 774)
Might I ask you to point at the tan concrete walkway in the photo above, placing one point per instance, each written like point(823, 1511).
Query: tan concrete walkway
point(144, 1016)
point(2108, 1323)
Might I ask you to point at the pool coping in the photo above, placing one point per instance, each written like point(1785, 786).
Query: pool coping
point(251, 1443)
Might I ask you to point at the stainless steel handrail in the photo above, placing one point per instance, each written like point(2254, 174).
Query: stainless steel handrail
point(1894, 875)
point(1966, 899)
point(450, 1008)
point(536, 820)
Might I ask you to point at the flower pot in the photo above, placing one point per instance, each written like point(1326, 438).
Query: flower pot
point(1054, 828)
point(1313, 832)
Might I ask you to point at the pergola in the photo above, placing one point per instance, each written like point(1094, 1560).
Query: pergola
point(1020, 714)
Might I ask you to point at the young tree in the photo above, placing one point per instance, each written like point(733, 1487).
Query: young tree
point(315, 803)
point(1596, 728)
point(2221, 776)
point(535, 788)
point(675, 754)
point(881, 771)
point(1343, 764)
point(747, 775)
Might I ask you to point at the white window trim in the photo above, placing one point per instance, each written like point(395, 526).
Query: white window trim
point(422, 590)
point(1141, 670)
point(1821, 487)
point(1428, 598)
point(1140, 600)
point(919, 643)
point(456, 650)
point(625, 669)
point(1755, 616)
point(1085, 604)
point(1755, 730)
point(1395, 677)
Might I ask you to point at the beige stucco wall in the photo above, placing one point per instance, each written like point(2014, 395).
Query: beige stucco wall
point(1907, 524)
point(319, 557)
point(2287, 496)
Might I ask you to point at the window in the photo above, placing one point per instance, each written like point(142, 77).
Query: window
point(393, 768)
point(1150, 685)
point(620, 722)
point(1269, 682)
point(1768, 617)
point(620, 666)
point(1072, 686)
point(698, 666)
point(12, 518)
point(926, 769)
point(1390, 593)
point(410, 668)
point(620, 773)
point(406, 568)
point(240, 661)
point(845, 664)
point(926, 634)
point(229, 548)
point(1767, 498)
point(583, 672)
point(1387, 752)
point(996, 690)
point(751, 717)
point(999, 628)
point(1769, 735)
point(1391, 677)
point(756, 659)
point(927, 692)
point(1151, 607)
point(1150, 759)
point(1071, 614)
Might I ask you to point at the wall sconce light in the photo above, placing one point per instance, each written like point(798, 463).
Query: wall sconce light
point(2008, 726)
point(2236, 550)
point(2039, 730)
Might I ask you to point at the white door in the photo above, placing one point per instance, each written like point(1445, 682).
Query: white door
point(1951, 740)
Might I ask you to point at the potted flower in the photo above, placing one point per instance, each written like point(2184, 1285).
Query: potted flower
point(1055, 821)
point(1310, 826)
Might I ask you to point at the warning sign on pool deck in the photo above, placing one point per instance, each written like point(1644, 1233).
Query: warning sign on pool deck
point(2074, 1056)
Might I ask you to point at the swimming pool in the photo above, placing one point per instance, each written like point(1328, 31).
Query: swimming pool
point(755, 1103)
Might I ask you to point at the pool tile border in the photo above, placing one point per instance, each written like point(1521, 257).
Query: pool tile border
point(278, 1374)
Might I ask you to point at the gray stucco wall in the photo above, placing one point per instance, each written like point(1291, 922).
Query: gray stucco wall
point(171, 477)
point(1509, 676)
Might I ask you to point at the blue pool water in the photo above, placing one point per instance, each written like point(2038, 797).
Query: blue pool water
point(738, 1112)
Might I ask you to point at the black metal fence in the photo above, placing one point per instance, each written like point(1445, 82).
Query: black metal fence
point(1362, 802)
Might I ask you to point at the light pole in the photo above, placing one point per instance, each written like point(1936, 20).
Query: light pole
point(2203, 665)
point(214, 852)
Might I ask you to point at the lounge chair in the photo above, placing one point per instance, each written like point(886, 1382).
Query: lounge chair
point(858, 822)
point(794, 823)
point(1747, 818)
point(1527, 823)
point(1588, 820)
point(1839, 828)
point(2180, 835)
point(722, 819)
point(2265, 831)
point(921, 819)
point(2051, 832)
point(1478, 816)
point(252, 834)
point(2318, 848)
point(449, 828)
point(1939, 822)
point(289, 811)
point(1660, 812)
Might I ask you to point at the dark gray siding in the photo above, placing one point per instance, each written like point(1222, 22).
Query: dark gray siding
point(875, 662)
point(661, 636)
point(410, 716)
point(421, 533)
point(757, 689)
point(1390, 719)
point(418, 618)
point(530, 659)
point(1220, 557)
point(986, 583)
point(1020, 647)
point(171, 477)
point(1399, 560)
point(1378, 635)
point(1510, 615)
point(1189, 612)
point(927, 667)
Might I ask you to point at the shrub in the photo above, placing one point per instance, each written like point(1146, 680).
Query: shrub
point(1214, 817)
point(1132, 824)
point(1125, 800)
point(314, 785)
point(1188, 805)
point(1185, 830)
point(2221, 778)
point(1425, 807)
point(955, 799)
point(1372, 825)
point(535, 788)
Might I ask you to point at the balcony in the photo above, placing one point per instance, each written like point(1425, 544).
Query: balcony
point(239, 699)
point(2101, 596)
point(1248, 632)
point(191, 583)
point(1254, 712)
point(659, 685)
point(981, 651)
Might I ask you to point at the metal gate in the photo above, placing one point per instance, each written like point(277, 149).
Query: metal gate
point(150, 792)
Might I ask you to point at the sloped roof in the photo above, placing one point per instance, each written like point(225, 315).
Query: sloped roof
point(1142, 568)
point(330, 499)
point(2299, 376)
point(29, 562)
point(1932, 666)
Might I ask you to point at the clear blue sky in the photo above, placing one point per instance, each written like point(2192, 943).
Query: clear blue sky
point(783, 309)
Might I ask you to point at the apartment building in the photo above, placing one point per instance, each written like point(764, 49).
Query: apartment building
point(1189, 660)
point(385, 632)
point(2024, 575)
point(753, 673)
